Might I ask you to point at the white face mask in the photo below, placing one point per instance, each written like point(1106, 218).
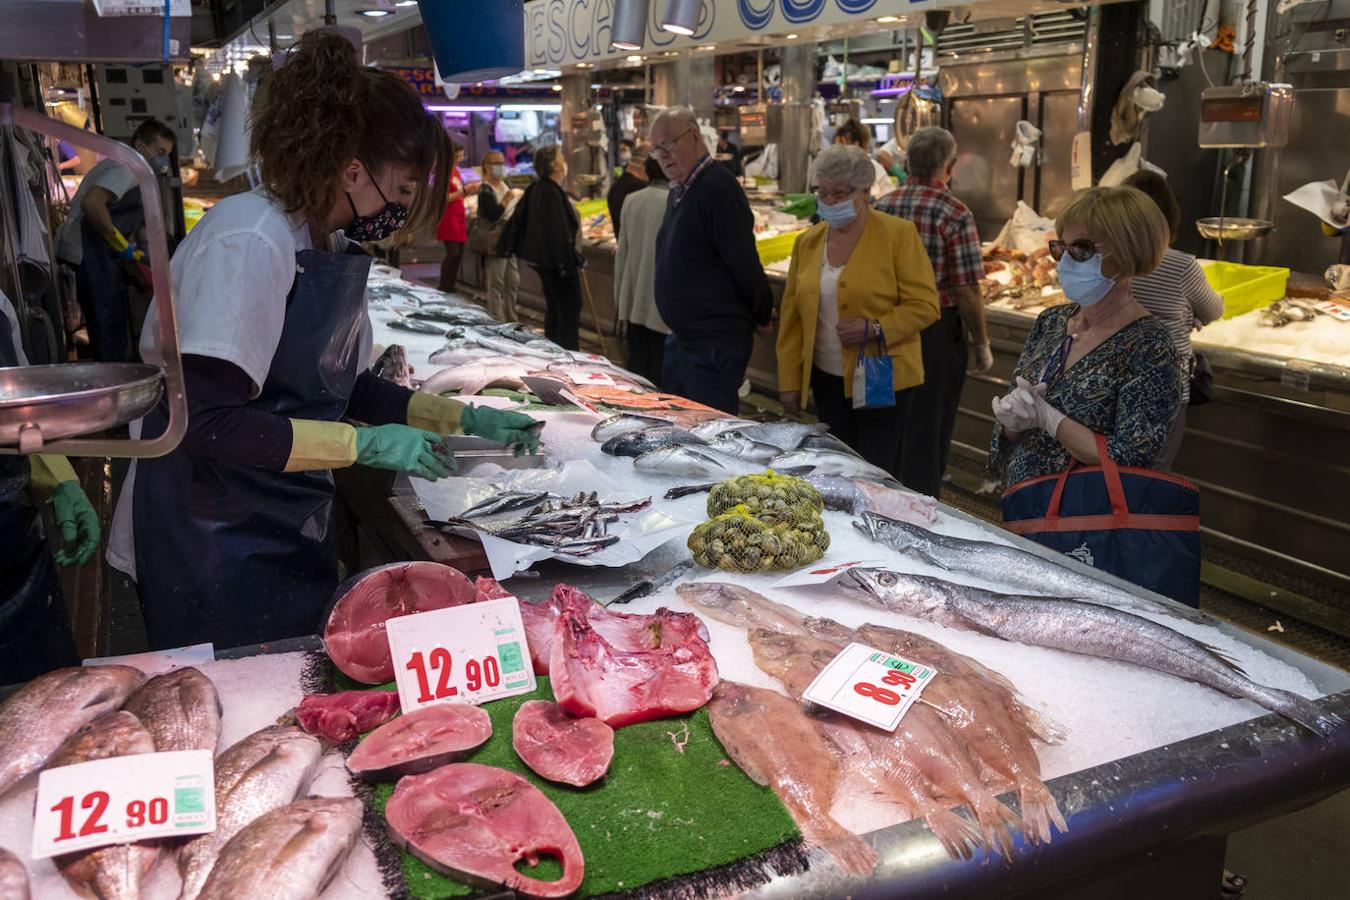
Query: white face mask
point(498, 171)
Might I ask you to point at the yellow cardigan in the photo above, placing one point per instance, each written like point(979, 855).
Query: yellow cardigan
point(888, 277)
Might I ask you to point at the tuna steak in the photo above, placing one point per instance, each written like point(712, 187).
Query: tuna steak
point(354, 635)
point(341, 717)
point(421, 740)
point(113, 872)
point(13, 877)
point(561, 747)
point(476, 822)
point(294, 851)
point(50, 708)
point(180, 709)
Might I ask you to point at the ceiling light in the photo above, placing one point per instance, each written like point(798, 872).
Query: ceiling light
point(739, 88)
point(541, 71)
point(671, 53)
point(634, 59)
point(682, 16)
point(793, 37)
point(708, 47)
point(375, 13)
point(557, 87)
point(630, 25)
point(584, 65)
point(887, 20)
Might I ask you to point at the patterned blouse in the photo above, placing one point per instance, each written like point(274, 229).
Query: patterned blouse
point(1127, 388)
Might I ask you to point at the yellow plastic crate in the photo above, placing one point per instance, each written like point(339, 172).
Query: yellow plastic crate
point(588, 208)
point(1245, 288)
point(774, 249)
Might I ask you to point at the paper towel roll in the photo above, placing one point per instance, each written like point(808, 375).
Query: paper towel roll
point(232, 144)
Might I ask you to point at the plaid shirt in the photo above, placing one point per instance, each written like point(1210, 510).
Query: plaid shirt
point(946, 227)
point(677, 190)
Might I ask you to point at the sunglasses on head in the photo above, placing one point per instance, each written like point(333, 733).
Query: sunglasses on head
point(1079, 251)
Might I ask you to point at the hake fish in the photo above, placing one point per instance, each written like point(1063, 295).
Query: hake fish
point(1086, 628)
point(13, 877)
point(829, 462)
point(180, 709)
point(43, 713)
point(740, 445)
point(635, 443)
point(292, 852)
point(114, 872)
point(776, 744)
point(264, 771)
point(694, 462)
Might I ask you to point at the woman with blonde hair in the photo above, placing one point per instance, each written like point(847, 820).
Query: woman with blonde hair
point(1099, 364)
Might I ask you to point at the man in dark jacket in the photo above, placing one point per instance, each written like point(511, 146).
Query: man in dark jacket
point(710, 285)
point(633, 179)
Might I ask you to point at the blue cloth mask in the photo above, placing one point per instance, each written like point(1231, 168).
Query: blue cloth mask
point(837, 214)
point(1083, 282)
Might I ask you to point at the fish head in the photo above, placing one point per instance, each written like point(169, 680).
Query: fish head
point(889, 589)
point(828, 630)
point(876, 582)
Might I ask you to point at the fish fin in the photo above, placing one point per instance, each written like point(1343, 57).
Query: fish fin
point(959, 837)
point(1039, 812)
point(997, 822)
point(1225, 658)
point(853, 854)
point(1046, 729)
point(676, 493)
point(928, 558)
point(1307, 714)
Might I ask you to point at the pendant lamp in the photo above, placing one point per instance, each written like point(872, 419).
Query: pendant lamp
point(681, 16)
point(474, 40)
point(630, 24)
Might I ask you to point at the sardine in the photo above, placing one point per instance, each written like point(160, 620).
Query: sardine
point(264, 771)
point(830, 462)
point(635, 443)
point(694, 462)
point(1086, 628)
point(737, 443)
point(180, 709)
point(505, 502)
point(1018, 569)
point(114, 872)
point(776, 744)
point(13, 877)
point(622, 424)
point(43, 713)
point(393, 366)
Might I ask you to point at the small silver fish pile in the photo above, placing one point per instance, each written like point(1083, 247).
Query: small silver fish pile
point(576, 526)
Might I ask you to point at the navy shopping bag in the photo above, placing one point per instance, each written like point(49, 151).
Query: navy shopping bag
point(1138, 524)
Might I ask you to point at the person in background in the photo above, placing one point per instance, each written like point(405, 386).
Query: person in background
point(856, 278)
point(728, 154)
point(710, 288)
point(947, 228)
point(1099, 364)
point(635, 275)
point(543, 232)
point(453, 229)
point(68, 157)
point(892, 158)
point(1179, 295)
point(496, 201)
point(99, 238)
point(624, 155)
point(633, 179)
point(855, 134)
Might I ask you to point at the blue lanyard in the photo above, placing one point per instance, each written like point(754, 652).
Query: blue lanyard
point(1058, 361)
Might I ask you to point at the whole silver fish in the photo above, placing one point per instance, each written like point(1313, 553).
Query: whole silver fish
point(114, 872)
point(737, 443)
point(13, 877)
point(50, 708)
point(825, 441)
point(180, 709)
point(264, 771)
point(294, 851)
point(622, 424)
point(783, 435)
point(1019, 570)
point(694, 462)
point(829, 462)
point(635, 443)
point(1086, 628)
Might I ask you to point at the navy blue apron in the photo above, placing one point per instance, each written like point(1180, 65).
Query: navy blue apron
point(239, 555)
point(35, 633)
point(100, 283)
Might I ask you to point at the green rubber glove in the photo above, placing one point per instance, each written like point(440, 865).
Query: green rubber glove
point(502, 426)
point(78, 522)
point(403, 449)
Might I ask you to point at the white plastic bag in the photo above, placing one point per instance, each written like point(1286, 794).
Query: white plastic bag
point(1026, 231)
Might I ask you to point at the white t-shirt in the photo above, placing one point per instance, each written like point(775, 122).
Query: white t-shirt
point(883, 184)
point(230, 278)
point(113, 177)
point(828, 354)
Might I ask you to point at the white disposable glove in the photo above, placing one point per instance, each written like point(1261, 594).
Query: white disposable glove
point(1014, 413)
point(984, 358)
point(1031, 398)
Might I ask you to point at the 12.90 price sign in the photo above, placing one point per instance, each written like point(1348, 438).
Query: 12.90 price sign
point(124, 799)
point(464, 654)
point(875, 687)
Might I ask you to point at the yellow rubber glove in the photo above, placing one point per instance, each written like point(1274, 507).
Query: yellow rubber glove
point(47, 471)
point(124, 248)
point(440, 415)
point(321, 445)
point(54, 481)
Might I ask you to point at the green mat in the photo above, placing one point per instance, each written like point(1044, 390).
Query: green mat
point(659, 814)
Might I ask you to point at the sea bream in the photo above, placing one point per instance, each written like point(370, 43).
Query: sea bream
point(694, 462)
point(738, 444)
point(13, 877)
point(657, 437)
point(623, 423)
point(1087, 628)
point(783, 435)
point(180, 709)
point(50, 708)
point(713, 427)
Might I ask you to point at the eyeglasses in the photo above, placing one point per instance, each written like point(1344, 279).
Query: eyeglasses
point(833, 197)
point(1079, 251)
point(667, 147)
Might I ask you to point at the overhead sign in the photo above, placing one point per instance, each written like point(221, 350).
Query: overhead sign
point(422, 79)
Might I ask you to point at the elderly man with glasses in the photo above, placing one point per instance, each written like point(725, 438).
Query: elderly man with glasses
point(710, 285)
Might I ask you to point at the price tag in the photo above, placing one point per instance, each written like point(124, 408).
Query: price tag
point(582, 403)
point(595, 378)
point(124, 799)
point(465, 654)
point(825, 572)
point(869, 685)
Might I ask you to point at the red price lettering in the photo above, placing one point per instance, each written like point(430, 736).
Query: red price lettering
point(95, 801)
point(156, 812)
point(879, 694)
point(896, 678)
point(440, 660)
point(477, 675)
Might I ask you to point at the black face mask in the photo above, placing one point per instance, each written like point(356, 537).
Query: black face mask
point(387, 221)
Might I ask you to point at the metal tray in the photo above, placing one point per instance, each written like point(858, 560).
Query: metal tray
point(1223, 228)
point(42, 404)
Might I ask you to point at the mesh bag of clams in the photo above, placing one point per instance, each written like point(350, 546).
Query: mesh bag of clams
point(771, 497)
point(739, 541)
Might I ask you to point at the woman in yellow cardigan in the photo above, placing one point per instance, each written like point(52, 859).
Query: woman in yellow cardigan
point(857, 275)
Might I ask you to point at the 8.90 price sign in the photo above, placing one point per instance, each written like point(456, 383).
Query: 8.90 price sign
point(869, 685)
point(124, 799)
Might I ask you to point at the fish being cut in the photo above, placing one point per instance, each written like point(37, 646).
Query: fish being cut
point(393, 366)
point(180, 709)
point(341, 717)
point(354, 635)
point(694, 462)
point(470, 378)
point(476, 822)
point(561, 747)
point(114, 872)
point(623, 423)
point(829, 462)
point(43, 713)
point(291, 853)
point(13, 877)
point(1086, 628)
point(776, 744)
point(420, 740)
point(636, 443)
point(264, 771)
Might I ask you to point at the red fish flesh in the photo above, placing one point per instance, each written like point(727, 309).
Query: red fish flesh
point(341, 717)
point(620, 686)
point(490, 589)
point(355, 633)
point(561, 747)
point(420, 740)
point(476, 822)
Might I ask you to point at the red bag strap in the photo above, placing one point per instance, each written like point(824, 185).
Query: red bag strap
point(1115, 490)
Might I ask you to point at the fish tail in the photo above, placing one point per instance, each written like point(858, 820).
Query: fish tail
point(676, 493)
point(1045, 728)
point(1039, 811)
point(996, 821)
point(958, 836)
point(853, 854)
point(1299, 709)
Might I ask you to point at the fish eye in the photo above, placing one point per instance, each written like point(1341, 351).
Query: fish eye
point(887, 578)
